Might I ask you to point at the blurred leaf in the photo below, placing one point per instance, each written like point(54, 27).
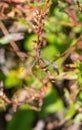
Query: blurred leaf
point(80, 96)
point(12, 80)
point(29, 42)
point(71, 75)
point(49, 52)
point(61, 15)
point(52, 103)
point(67, 94)
point(22, 120)
point(78, 117)
point(11, 37)
point(72, 110)
point(70, 113)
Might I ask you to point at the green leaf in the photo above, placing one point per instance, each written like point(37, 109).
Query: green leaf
point(78, 118)
point(49, 52)
point(52, 103)
point(22, 120)
point(80, 97)
point(70, 113)
point(29, 42)
point(12, 80)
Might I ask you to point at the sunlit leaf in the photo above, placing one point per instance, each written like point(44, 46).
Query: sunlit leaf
point(78, 117)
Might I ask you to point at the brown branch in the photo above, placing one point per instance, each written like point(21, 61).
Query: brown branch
point(5, 99)
point(79, 6)
point(71, 49)
point(70, 24)
point(12, 43)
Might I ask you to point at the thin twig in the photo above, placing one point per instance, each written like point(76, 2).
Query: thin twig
point(70, 24)
point(12, 43)
point(71, 49)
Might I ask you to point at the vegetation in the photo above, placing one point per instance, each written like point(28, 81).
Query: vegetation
point(40, 64)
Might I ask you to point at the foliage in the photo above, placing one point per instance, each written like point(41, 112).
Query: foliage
point(40, 61)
